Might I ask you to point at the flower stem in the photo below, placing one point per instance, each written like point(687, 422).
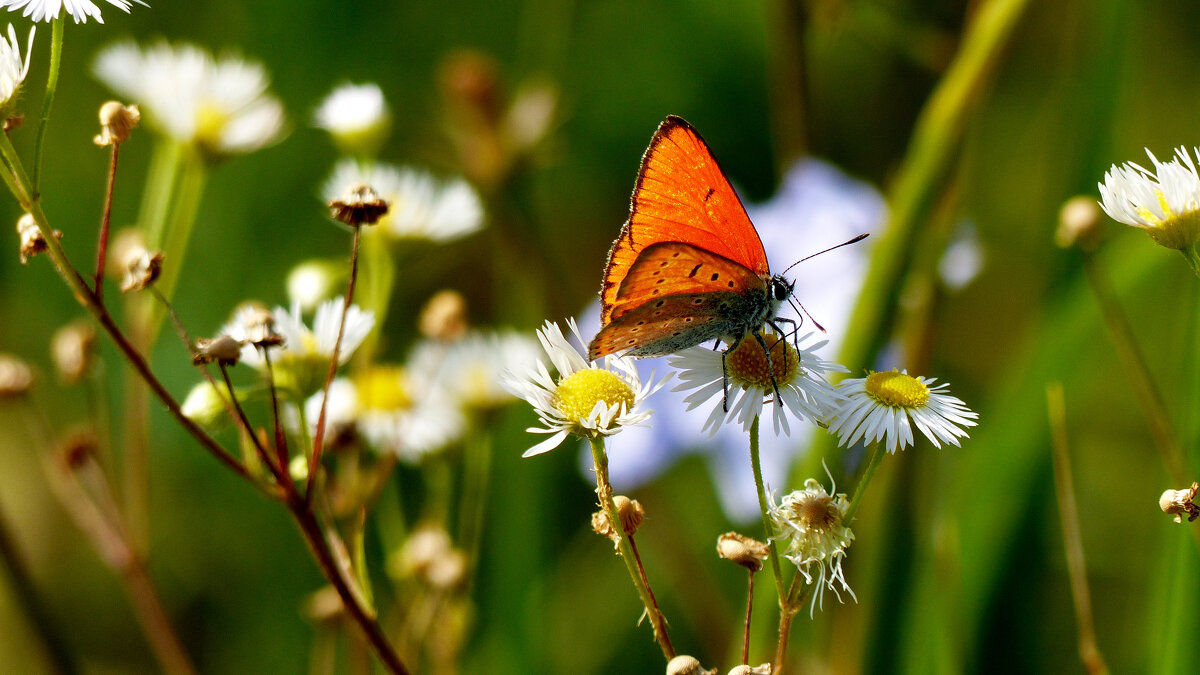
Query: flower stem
point(605, 492)
point(1089, 652)
point(876, 458)
point(105, 218)
point(1147, 392)
point(761, 489)
point(749, 609)
point(314, 464)
point(796, 598)
point(56, 45)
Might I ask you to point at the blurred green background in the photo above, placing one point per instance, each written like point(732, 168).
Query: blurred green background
point(959, 563)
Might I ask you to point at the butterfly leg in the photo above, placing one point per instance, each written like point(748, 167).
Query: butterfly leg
point(770, 368)
point(725, 372)
point(794, 332)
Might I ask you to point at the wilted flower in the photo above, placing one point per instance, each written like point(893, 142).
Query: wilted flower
point(116, 121)
point(420, 206)
point(810, 526)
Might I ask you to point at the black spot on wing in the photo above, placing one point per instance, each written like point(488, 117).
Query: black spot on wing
point(694, 270)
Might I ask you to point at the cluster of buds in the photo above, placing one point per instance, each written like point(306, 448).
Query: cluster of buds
point(629, 511)
point(32, 241)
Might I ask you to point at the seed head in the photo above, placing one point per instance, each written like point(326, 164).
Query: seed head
point(1180, 502)
point(360, 205)
point(742, 550)
point(116, 121)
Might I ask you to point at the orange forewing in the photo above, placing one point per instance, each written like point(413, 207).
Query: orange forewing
point(673, 268)
point(681, 195)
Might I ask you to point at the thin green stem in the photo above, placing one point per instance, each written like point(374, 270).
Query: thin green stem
point(797, 594)
point(166, 164)
point(186, 203)
point(1064, 486)
point(764, 510)
point(1138, 371)
point(605, 492)
point(105, 220)
point(477, 463)
point(876, 458)
point(56, 45)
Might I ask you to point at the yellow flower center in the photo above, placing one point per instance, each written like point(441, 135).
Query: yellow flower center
point(210, 124)
point(579, 392)
point(817, 512)
point(897, 390)
point(1177, 230)
point(748, 363)
point(383, 388)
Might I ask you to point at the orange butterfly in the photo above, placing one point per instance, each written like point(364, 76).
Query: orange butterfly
point(688, 266)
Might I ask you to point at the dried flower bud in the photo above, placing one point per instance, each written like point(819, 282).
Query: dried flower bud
point(742, 550)
point(1078, 223)
point(629, 511)
point(116, 121)
point(687, 665)
point(221, 349)
point(764, 669)
point(259, 323)
point(73, 349)
point(16, 377)
point(141, 270)
point(444, 317)
point(13, 122)
point(360, 205)
point(323, 606)
point(32, 241)
point(123, 245)
point(1180, 502)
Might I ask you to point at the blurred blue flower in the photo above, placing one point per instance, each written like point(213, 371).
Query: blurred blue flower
point(817, 206)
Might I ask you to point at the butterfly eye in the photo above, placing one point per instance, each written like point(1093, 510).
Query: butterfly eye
point(780, 289)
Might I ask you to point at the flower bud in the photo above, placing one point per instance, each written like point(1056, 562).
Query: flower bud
point(116, 121)
point(222, 349)
point(32, 241)
point(1180, 502)
point(16, 377)
point(141, 270)
point(444, 316)
point(629, 511)
point(73, 349)
point(687, 665)
point(742, 550)
point(1078, 223)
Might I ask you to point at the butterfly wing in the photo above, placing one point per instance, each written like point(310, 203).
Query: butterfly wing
point(681, 195)
point(676, 296)
point(675, 268)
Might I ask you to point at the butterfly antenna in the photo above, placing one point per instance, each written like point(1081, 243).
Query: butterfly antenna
point(855, 240)
point(810, 318)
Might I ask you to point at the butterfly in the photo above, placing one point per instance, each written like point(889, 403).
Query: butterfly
point(688, 266)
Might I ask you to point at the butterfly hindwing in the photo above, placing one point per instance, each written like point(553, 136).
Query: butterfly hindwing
point(681, 195)
point(672, 268)
point(666, 325)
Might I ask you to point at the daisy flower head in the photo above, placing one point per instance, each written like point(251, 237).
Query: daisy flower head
point(811, 527)
point(420, 205)
point(357, 116)
point(301, 361)
point(392, 410)
point(799, 374)
point(220, 105)
point(13, 68)
point(884, 406)
point(80, 10)
point(1165, 202)
point(472, 367)
point(585, 399)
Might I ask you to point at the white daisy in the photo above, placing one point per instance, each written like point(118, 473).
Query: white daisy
point(800, 376)
point(357, 116)
point(301, 361)
point(810, 525)
point(392, 410)
point(586, 399)
point(221, 105)
point(80, 10)
point(880, 405)
point(421, 206)
point(472, 367)
point(12, 68)
point(1165, 202)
